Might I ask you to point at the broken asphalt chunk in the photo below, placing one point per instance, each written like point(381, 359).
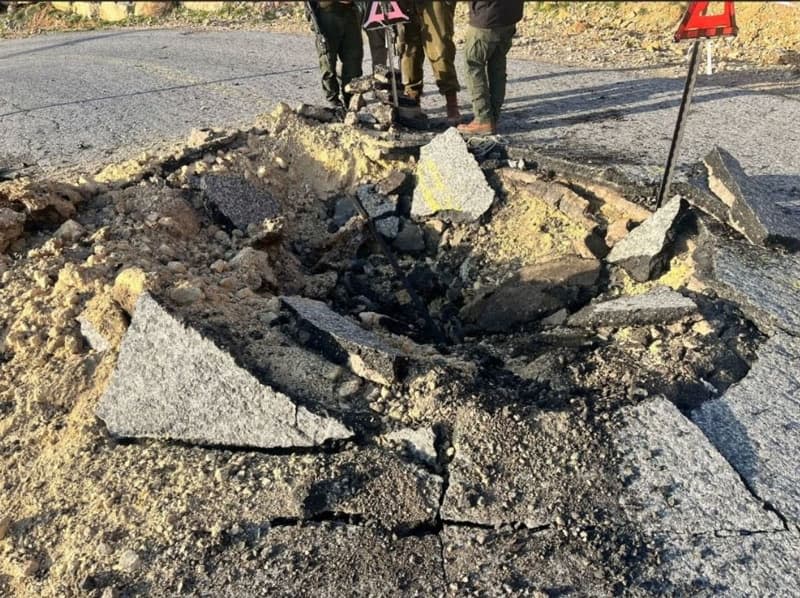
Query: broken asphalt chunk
point(236, 202)
point(343, 341)
point(764, 283)
point(172, 383)
point(675, 481)
point(661, 305)
point(642, 252)
point(748, 207)
point(449, 181)
point(756, 425)
point(534, 292)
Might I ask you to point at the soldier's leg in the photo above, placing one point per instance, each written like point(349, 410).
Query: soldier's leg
point(496, 67)
point(351, 50)
point(476, 49)
point(437, 34)
point(412, 54)
point(331, 32)
point(378, 51)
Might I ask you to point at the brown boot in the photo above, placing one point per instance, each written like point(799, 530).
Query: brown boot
point(453, 115)
point(478, 128)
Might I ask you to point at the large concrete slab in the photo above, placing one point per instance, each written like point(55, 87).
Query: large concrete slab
point(450, 183)
point(675, 481)
point(661, 305)
point(534, 292)
point(755, 565)
point(520, 563)
point(171, 382)
point(236, 201)
point(642, 252)
point(756, 425)
point(749, 207)
point(345, 342)
point(762, 282)
point(327, 559)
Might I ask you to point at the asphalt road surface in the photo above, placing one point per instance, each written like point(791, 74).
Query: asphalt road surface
point(80, 100)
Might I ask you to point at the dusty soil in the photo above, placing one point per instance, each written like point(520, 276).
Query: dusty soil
point(85, 514)
point(592, 34)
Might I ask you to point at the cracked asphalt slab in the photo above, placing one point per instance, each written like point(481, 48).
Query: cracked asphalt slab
point(93, 97)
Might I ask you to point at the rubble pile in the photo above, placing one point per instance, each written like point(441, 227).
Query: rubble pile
point(213, 381)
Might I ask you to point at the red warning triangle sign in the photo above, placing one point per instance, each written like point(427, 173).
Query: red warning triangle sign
point(696, 23)
point(377, 18)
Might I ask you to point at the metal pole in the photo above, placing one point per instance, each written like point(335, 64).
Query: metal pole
point(709, 52)
point(677, 136)
point(390, 40)
point(418, 303)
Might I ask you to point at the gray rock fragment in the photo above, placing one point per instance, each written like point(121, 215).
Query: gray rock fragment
point(642, 251)
point(236, 201)
point(171, 382)
point(763, 283)
point(381, 209)
point(675, 481)
point(93, 336)
point(449, 181)
point(661, 305)
point(749, 208)
point(320, 113)
point(534, 292)
point(756, 425)
point(410, 239)
point(345, 342)
point(12, 225)
point(419, 443)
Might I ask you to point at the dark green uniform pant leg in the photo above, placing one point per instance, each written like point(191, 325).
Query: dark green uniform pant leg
point(485, 54)
point(341, 29)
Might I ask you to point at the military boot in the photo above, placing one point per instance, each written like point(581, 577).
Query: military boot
point(453, 115)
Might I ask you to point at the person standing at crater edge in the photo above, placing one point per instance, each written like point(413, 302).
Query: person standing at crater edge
point(492, 24)
point(337, 24)
point(429, 32)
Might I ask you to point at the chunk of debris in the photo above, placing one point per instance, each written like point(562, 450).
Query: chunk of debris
point(173, 383)
point(103, 323)
point(410, 239)
point(534, 292)
point(395, 182)
point(69, 232)
point(419, 444)
point(320, 113)
point(381, 209)
point(756, 425)
point(449, 181)
point(660, 305)
point(345, 342)
point(642, 252)
point(666, 492)
point(762, 282)
point(236, 202)
point(12, 225)
point(748, 207)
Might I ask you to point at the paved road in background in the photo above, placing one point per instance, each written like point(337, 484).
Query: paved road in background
point(84, 99)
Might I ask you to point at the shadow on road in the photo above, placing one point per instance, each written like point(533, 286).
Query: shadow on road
point(620, 99)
